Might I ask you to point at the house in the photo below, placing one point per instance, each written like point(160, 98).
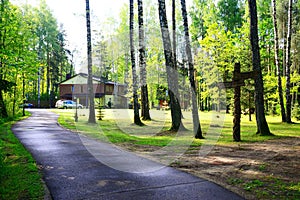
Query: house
point(104, 90)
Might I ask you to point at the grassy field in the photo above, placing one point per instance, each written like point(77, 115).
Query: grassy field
point(117, 127)
point(19, 175)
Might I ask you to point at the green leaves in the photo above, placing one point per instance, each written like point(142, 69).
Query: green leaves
point(29, 41)
point(6, 85)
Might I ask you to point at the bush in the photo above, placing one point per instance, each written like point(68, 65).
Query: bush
point(296, 111)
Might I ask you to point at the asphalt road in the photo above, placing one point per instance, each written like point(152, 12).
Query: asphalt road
point(72, 172)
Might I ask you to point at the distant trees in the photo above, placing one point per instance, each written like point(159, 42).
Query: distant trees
point(33, 57)
point(231, 14)
point(52, 55)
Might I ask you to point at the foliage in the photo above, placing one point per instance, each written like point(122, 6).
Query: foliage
point(230, 12)
point(161, 93)
point(31, 45)
point(296, 112)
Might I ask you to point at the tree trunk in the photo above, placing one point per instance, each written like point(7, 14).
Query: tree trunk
point(174, 46)
point(143, 72)
point(279, 74)
point(288, 66)
point(196, 121)
point(92, 116)
point(262, 125)
point(172, 74)
point(174, 32)
point(48, 75)
point(284, 47)
point(3, 111)
point(137, 119)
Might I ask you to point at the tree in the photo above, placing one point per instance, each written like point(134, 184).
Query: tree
point(5, 85)
point(17, 56)
point(279, 73)
point(230, 14)
point(143, 73)
point(197, 13)
point(172, 74)
point(262, 125)
point(288, 65)
point(92, 116)
point(137, 119)
point(196, 121)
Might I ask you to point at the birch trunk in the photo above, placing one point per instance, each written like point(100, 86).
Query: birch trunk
point(288, 65)
point(196, 121)
point(143, 73)
point(92, 116)
point(279, 73)
point(172, 74)
point(137, 119)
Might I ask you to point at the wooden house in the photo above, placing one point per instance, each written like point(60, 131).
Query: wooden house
point(104, 91)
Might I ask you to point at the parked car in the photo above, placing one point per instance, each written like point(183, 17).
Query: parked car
point(69, 104)
point(59, 103)
point(26, 105)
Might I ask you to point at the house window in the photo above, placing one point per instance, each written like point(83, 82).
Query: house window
point(81, 88)
point(109, 88)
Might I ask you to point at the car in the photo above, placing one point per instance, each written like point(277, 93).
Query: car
point(59, 103)
point(69, 104)
point(26, 105)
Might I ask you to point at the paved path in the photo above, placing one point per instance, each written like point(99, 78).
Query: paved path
point(72, 172)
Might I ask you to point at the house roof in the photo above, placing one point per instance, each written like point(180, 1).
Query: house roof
point(81, 78)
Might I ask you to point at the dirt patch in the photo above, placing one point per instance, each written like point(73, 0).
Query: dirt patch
point(260, 170)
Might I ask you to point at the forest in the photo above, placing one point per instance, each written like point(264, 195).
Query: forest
point(201, 43)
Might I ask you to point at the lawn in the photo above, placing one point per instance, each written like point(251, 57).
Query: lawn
point(117, 127)
point(19, 175)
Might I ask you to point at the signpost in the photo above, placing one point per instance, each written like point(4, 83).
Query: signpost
point(236, 83)
point(76, 114)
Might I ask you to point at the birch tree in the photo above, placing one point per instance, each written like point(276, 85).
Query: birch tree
point(137, 119)
point(92, 116)
point(196, 121)
point(277, 62)
point(143, 73)
point(288, 65)
point(172, 74)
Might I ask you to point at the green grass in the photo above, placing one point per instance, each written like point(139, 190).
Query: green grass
point(19, 175)
point(108, 130)
point(119, 128)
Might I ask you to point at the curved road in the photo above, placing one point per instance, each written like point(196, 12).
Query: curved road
point(72, 172)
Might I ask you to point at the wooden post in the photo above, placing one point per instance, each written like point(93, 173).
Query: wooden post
point(237, 104)
point(236, 83)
